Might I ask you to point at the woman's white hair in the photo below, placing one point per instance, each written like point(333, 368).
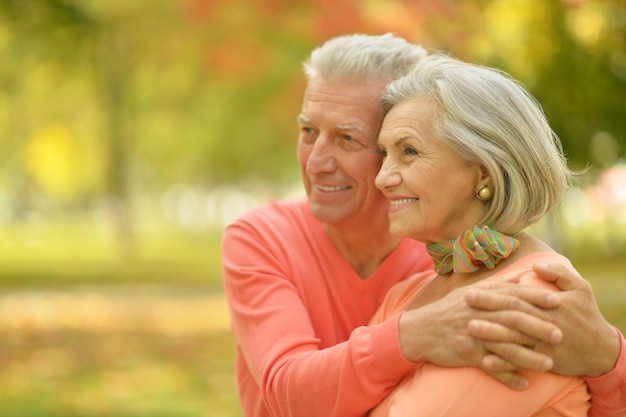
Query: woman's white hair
point(363, 57)
point(489, 118)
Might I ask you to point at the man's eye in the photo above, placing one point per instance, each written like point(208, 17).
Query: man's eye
point(349, 143)
point(307, 134)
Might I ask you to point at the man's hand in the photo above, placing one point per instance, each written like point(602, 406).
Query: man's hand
point(439, 333)
point(590, 345)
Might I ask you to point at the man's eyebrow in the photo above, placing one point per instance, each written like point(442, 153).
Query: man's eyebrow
point(306, 120)
point(303, 119)
point(351, 127)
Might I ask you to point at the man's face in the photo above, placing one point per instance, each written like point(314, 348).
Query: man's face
point(338, 151)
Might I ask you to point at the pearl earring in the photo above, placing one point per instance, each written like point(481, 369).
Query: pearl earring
point(485, 192)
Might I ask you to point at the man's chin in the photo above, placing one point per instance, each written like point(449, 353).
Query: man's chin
point(325, 213)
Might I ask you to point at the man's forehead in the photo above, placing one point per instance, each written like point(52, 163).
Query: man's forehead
point(340, 92)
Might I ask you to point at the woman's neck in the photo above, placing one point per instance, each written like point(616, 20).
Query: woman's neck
point(444, 284)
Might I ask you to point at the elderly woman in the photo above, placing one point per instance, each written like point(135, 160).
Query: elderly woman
point(469, 162)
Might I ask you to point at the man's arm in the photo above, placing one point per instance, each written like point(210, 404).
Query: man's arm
point(439, 333)
point(590, 346)
point(608, 391)
point(295, 375)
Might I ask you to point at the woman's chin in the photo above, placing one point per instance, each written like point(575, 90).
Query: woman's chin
point(399, 232)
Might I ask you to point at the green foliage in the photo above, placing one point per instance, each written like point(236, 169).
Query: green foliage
point(207, 92)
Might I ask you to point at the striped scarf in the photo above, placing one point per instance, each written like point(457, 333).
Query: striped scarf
point(474, 249)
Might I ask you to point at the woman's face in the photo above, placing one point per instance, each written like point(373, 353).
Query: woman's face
point(431, 190)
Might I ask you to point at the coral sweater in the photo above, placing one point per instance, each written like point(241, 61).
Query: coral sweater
point(299, 315)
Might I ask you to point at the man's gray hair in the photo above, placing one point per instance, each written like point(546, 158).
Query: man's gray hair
point(363, 57)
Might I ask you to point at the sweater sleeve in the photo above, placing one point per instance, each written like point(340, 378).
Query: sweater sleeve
point(275, 336)
point(345, 380)
point(608, 392)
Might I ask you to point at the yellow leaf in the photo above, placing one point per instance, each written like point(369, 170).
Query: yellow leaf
point(52, 161)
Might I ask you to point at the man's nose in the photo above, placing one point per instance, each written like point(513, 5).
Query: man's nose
point(322, 158)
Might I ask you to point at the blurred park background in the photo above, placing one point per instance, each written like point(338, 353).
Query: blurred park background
point(132, 132)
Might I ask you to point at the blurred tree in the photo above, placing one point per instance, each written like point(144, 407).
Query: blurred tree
point(113, 72)
point(584, 87)
point(38, 39)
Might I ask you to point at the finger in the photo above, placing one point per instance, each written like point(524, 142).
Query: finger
point(495, 332)
point(494, 363)
point(526, 324)
point(562, 275)
point(512, 297)
point(511, 379)
point(522, 357)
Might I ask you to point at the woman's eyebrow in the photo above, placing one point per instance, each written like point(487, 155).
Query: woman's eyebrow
point(403, 139)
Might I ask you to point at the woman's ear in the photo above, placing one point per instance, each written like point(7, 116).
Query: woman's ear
point(484, 187)
point(483, 176)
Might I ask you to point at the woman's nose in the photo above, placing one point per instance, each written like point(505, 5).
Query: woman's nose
point(387, 176)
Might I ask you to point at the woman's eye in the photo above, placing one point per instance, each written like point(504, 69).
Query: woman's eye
point(382, 151)
point(409, 151)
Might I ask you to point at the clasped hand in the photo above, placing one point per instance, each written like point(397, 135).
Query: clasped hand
point(501, 327)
